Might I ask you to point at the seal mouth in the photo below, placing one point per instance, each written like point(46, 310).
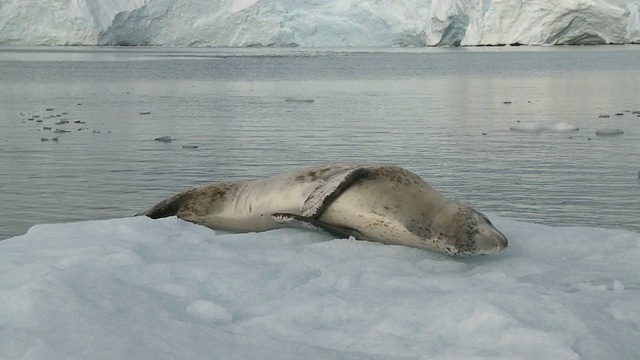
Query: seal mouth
point(490, 241)
point(501, 241)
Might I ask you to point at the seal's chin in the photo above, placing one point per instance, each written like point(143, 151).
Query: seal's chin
point(489, 241)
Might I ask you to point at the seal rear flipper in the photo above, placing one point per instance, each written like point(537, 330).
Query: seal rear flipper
point(167, 207)
point(320, 199)
point(313, 224)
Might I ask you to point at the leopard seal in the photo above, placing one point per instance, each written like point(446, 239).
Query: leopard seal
point(382, 203)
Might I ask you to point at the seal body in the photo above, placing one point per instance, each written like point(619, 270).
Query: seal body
point(380, 203)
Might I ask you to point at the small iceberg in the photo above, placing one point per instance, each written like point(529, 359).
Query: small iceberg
point(609, 132)
point(564, 127)
point(538, 128)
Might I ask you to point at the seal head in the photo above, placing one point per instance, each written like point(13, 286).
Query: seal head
point(473, 234)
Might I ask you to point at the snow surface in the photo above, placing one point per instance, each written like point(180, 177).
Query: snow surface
point(318, 22)
point(137, 288)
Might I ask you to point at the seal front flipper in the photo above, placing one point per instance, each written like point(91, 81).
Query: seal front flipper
point(320, 199)
point(313, 224)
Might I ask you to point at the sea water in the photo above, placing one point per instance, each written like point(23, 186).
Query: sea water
point(247, 113)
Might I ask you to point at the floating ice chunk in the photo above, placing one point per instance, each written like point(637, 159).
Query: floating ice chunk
point(529, 128)
point(564, 127)
point(168, 288)
point(538, 128)
point(609, 132)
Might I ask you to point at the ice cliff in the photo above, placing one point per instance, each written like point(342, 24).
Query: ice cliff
point(59, 22)
point(313, 23)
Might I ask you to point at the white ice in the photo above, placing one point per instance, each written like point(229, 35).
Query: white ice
point(318, 23)
point(138, 288)
point(534, 127)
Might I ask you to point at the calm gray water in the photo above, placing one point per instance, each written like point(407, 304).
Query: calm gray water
point(439, 112)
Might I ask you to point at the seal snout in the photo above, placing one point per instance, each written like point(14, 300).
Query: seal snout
point(490, 241)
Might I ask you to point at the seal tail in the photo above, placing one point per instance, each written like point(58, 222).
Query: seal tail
point(167, 207)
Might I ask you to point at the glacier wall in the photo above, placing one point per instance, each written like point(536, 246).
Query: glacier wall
point(315, 23)
point(58, 22)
